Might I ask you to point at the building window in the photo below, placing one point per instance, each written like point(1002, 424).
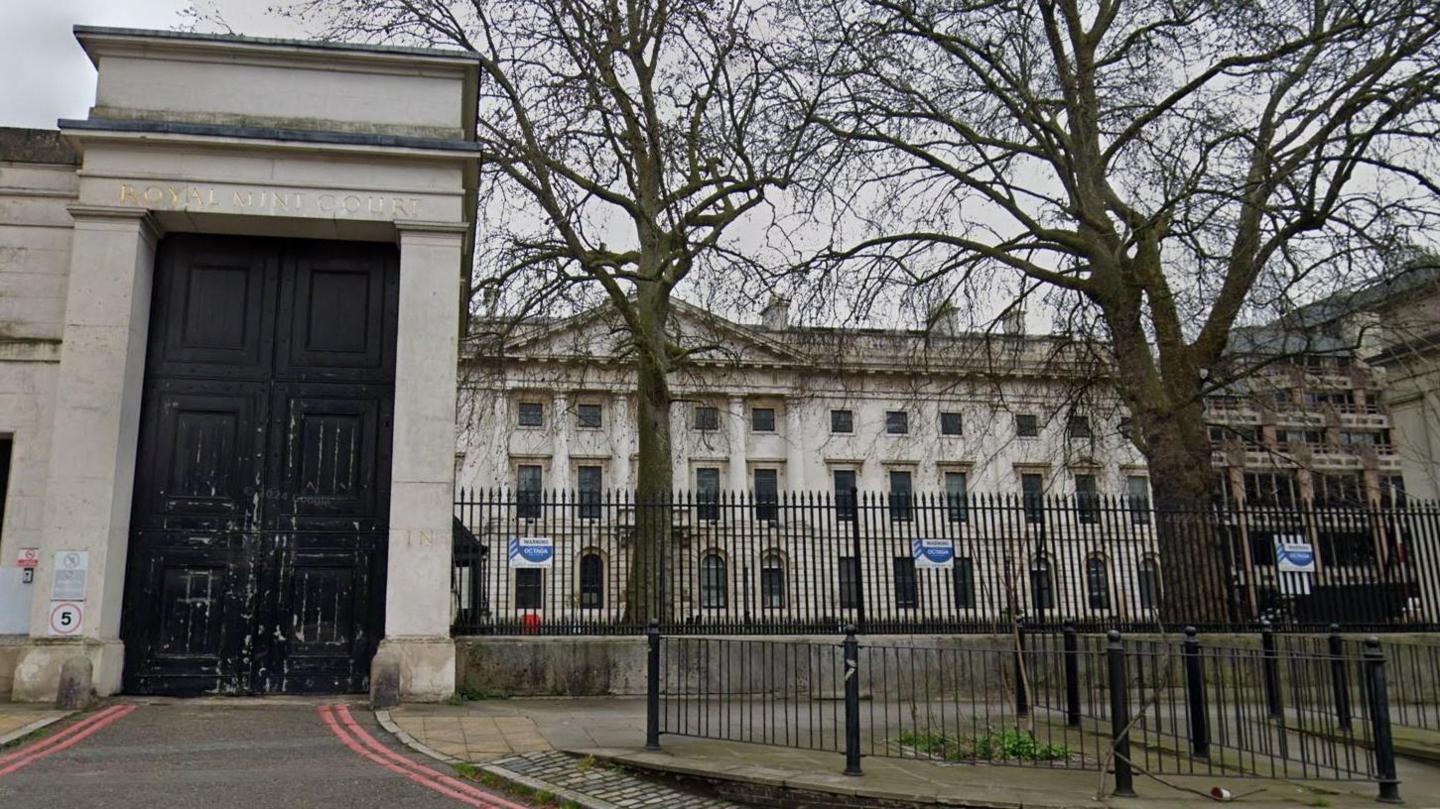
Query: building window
point(529, 588)
point(1149, 584)
point(588, 495)
point(1137, 492)
point(1078, 427)
point(950, 424)
point(957, 498)
point(1338, 490)
point(1032, 494)
point(1392, 488)
point(907, 595)
point(1270, 489)
point(772, 581)
point(842, 421)
point(762, 419)
point(1087, 499)
point(7, 447)
point(964, 574)
point(707, 417)
point(592, 581)
point(767, 494)
point(712, 581)
point(897, 422)
point(707, 493)
point(529, 491)
point(849, 583)
point(900, 490)
point(1042, 586)
point(589, 416)
point(1097, 583)
point(532, 414)
point(844, 494)
point(1026, 425)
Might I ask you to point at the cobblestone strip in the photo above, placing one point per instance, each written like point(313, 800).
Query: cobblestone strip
point(596, 785)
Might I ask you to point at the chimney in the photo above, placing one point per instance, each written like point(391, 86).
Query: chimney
point(776, 314)
point(1013, 321)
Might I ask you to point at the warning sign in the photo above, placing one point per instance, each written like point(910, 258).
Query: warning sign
point(70, 570)
point(29, 557)
point(66, 618)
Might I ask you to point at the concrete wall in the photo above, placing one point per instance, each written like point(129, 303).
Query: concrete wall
point(37, 181)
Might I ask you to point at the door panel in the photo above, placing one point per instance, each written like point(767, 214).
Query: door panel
point(262, 484)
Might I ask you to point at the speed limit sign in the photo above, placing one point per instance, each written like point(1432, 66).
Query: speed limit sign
point(66, 618)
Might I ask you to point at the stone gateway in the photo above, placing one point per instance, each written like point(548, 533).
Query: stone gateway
point(241, 382)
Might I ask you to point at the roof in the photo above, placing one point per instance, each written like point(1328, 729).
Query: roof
point(355, 47)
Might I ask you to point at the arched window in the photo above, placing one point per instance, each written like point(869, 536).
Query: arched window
point(712, 581)
point(592, 581)
point(772, 581)
point(1042, 585)
point(1097, 583)
point(1149, 584)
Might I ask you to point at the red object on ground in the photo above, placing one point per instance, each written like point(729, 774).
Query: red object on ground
point(530, 623)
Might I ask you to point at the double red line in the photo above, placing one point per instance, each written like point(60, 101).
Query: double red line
point(74, 734)
point(338, 719)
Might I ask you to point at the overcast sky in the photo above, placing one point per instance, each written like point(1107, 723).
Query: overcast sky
point(47, 76)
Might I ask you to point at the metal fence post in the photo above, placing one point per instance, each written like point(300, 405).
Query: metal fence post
point(1270, 665)
point(852, 702)
point(1072, 676)
point(1195, 695)
point(652, 687)
point(1022, 693)
point(1375, 691)
point(1120, 715)
point(1339, 677)
point(859, 566)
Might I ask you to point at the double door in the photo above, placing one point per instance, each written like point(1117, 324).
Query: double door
point(262, 481)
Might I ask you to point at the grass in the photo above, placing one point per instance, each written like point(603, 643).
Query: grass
point(1005, 745)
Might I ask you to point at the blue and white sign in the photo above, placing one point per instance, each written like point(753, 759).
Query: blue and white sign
point(532, 552)
point(933, 554)
point(1294, 556)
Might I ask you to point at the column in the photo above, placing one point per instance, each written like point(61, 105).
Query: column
point(560, 447)
point(735, 434)
point(93, 442)
point(795, 478)
point(417, 587)
point(622, 428)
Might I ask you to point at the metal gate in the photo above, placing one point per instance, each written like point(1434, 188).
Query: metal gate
point(262, 480)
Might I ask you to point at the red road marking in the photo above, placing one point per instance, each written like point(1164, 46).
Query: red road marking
point(372, 750)
point(74, 734)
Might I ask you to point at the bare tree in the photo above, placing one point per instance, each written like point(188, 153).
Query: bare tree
point(622, 143)
point(1173, 167)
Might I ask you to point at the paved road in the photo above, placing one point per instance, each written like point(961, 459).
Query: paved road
point(247, 754)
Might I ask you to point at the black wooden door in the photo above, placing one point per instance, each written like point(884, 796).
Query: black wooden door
point(257, 549)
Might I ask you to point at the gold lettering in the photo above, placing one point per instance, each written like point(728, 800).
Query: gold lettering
point(352, 203)
point(159, 195)
point(193, 194)
point(326, 202)
point(246, 201)
point(211, 201)
point(375, 205)
point(400, 204)
point(177, 197)
point(127, 192)
point(279, 201)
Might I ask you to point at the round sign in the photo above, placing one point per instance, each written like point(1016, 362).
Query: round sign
point(65, 618)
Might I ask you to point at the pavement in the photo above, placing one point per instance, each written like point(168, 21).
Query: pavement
point(19, 720)
point(223, 753)
point(602, 734)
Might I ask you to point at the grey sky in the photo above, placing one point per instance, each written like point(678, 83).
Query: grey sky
point(47, 76)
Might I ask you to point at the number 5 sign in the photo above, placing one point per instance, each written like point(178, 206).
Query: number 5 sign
point(66, 617)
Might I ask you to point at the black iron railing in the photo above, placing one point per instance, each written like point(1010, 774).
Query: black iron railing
point(1060, 700)
point(603, 563)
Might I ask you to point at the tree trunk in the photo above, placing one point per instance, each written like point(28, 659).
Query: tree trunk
point(1195, 553)
point(648, 598)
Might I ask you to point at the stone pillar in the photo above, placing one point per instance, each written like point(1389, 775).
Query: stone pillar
point(417, 587)
point(735, 435)
point(622, 428)
point(795, 479)
point(93, 442)
point(560, 446)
